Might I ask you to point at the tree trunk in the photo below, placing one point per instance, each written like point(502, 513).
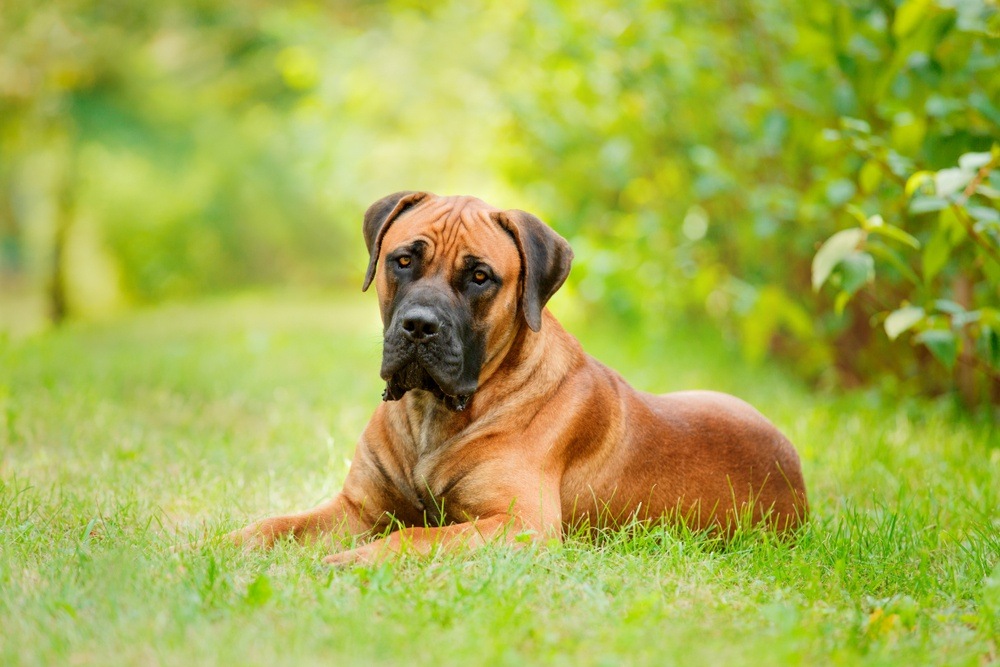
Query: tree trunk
point(58, 304)
point(965, 369)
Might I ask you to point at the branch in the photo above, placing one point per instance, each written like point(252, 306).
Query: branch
point(966, 221)
point(980, 176)
point(982, 366)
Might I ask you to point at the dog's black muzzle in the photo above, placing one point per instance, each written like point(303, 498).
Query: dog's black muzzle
point(429, 344)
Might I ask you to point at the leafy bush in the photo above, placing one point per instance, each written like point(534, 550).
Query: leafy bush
point(722, 144)
point(923, 251)
point(942, 291)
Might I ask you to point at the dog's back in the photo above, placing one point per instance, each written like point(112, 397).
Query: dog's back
point(706, 458)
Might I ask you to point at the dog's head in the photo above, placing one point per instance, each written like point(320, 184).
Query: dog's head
point(456, 280)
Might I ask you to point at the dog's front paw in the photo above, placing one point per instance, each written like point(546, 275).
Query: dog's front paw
point(258, 535)
point(366, 555)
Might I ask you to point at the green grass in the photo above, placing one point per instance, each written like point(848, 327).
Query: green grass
point(121, 439)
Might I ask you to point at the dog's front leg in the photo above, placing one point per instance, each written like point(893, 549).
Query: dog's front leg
point(502, 527)
point(339, 516)
point(423, 541)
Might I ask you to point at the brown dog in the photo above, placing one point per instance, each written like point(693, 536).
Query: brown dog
point(496, 424)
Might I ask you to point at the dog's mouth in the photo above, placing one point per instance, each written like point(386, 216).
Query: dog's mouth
point(414, 376)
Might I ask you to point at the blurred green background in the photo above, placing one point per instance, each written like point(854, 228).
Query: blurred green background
point(697, 155)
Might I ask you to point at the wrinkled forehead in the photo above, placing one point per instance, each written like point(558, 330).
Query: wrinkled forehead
point(453, 228)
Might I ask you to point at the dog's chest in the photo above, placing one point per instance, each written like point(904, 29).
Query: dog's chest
point(434, 491)
point(434, 481)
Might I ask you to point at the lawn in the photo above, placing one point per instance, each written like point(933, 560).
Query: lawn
point(122, 439)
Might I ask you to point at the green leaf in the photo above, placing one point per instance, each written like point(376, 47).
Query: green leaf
point(902, 320)
point(948, 306)
point(942, 344)
point(987, 191)
point(841, 302)
point(840, 191)
point(940, 107)
point(992, 272)
point(259, 591)
point(960, 320)
point(991, 316)
point(909, 15)
point(908, 132)
point(872, 222)
point(896, 234)
point(949, 181)
point(989, 345)
point(857, 269)
point(974, 161)
point(899, 165)
point(889, 255)
point(870, 176)
point(984, 214)
point(831, 253)
point(950, 224)
point(936, 254)
point(920, 205)
point(856, 125)
point(981, 103)
point(918, 181)
point(858, 214)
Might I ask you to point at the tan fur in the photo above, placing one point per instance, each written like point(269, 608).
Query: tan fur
point(551, 439)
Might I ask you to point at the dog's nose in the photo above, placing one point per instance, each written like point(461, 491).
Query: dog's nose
point(420, 324)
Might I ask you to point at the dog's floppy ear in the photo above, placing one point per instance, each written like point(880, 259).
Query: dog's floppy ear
point(545, 261)
point(378, 217)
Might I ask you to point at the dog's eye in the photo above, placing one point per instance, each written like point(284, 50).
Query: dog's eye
point(404, 261)
point(479, 277)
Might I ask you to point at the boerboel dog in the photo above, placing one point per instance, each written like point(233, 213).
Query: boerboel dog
point(496, 425)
